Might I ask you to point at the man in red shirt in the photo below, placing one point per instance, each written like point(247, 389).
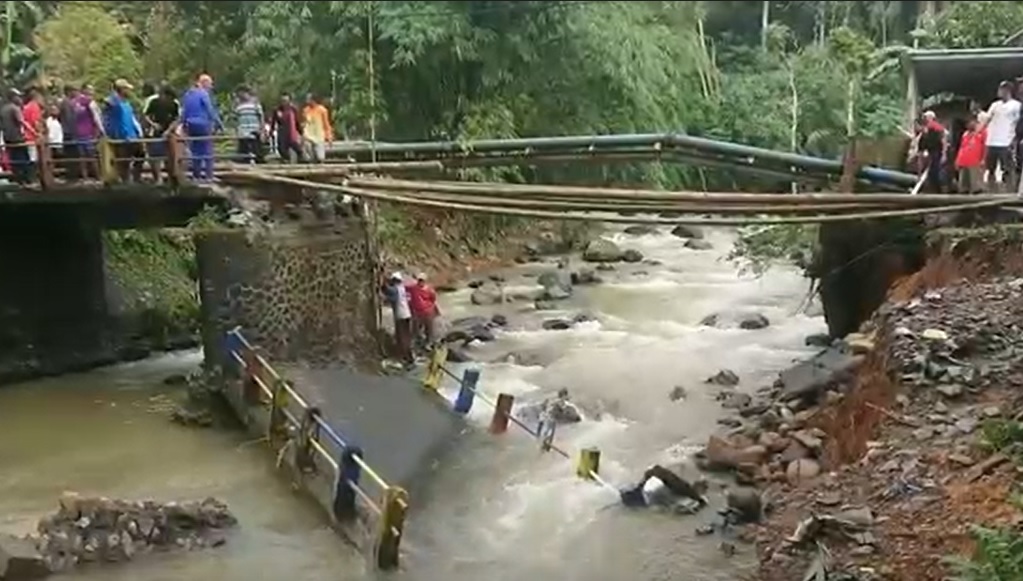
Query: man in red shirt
point(970, 158)
point(423, 304)
point(32, 113)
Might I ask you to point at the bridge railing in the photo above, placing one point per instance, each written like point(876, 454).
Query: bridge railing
point(113, 161)
point(292, 421)
point(587, 460)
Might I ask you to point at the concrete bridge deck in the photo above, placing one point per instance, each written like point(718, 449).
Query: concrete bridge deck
point(401, 428)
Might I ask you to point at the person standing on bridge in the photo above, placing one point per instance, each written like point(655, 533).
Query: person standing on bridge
point(34, 125)
point(124, 129)
point(249, 113)
point(396, 294)
point(161, 113)
point(12, 125)
point(316, 129)
point(200, 120)
point(932, 142)
point(423, 303)
point(287, 124)
point(88, 129)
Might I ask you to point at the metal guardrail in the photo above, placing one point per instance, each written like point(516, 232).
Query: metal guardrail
point(293, 419)
point(587, 463)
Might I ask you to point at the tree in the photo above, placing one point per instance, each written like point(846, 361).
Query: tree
point(82, 43)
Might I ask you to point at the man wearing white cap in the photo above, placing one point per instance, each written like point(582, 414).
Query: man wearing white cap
point(398, 297)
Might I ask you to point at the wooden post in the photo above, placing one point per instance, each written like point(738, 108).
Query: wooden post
point(44, 161)
point(175, 159)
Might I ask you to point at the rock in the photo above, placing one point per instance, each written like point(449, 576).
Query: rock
point(602, 250)
point(951, 391)
point(991, 411)
point(485, 297)
point(725, 377)
point(737, 401)
point(753, 322)
point(861, 517)
point(934, 335)
point(801, 470)
point(698, 244)
point(960, 459)
point(677, 393)
point(499, 320)
point(794, 451)
point(829, 499)
point(605, 267)
point(641, 230)
point(859, 344)
point(808, 440)
point(557, 284)
point(585, 276)
point(683, 231)
point(745, 504)
point(818, 340)
point(831, 367)
point(176, 379)
point(20, 560)
point(456, 355)
point(632, 256)
point(710, 320)
point(966, 425)
point(556, 324)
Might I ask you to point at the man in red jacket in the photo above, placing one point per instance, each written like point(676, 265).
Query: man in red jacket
point(970, 157)
point(423, 303)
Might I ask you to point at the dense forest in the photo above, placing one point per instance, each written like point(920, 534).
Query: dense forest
point(796, 75)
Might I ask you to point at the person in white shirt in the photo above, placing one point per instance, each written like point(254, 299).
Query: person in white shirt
point(396, 295)
point(1001, 132)
point(54, 132)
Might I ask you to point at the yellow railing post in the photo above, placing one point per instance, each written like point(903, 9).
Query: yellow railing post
point(436, 366)
point(278, 423)
point(392, 526)
point(589, 463)
point(107, 164)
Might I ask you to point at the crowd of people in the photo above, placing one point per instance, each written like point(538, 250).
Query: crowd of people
point(982, 152)
point(70, 123)
point(414, 306)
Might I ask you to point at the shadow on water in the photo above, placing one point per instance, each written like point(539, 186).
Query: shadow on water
point(106, 432)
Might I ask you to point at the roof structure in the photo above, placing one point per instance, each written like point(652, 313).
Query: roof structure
point(966, 72)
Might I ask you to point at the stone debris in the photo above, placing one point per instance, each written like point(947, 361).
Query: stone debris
point(905, 466)
point(103, 530)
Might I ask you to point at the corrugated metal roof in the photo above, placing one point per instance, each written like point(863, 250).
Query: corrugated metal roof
point(968, 72)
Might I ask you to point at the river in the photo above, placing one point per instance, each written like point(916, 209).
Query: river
point(498, 508)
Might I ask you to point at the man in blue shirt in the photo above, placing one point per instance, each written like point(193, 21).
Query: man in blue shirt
point(200, 119)
point(124, 130)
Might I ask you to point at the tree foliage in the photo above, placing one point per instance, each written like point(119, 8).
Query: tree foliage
point(83, 42)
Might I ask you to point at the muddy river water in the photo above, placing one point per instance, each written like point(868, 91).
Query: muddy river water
point(498, 508)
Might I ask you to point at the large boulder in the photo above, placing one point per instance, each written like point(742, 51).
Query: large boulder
point(698, 244)
point(20, 560)
point(557, 284)
point(602, 250)
point(745, 504)
point(485, 297)
point(683, 231)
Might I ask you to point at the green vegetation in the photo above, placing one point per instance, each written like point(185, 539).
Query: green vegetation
point(998, 557)
point(802, 76)
point(153, 272)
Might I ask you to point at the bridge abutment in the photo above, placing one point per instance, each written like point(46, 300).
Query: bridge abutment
point(303, 294)
point(53, 297)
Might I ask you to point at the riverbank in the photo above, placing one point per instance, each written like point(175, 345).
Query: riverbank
point(920, 444)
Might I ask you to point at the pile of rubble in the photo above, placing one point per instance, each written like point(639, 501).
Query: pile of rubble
point(938, 456)
point(97, 529)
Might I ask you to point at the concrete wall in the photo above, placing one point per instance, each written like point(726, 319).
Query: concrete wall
point(302, 294)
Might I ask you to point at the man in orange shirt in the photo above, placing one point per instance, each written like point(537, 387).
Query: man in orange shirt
point(316, 131)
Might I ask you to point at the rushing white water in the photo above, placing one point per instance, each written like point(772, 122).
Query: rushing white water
point(501, 509)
